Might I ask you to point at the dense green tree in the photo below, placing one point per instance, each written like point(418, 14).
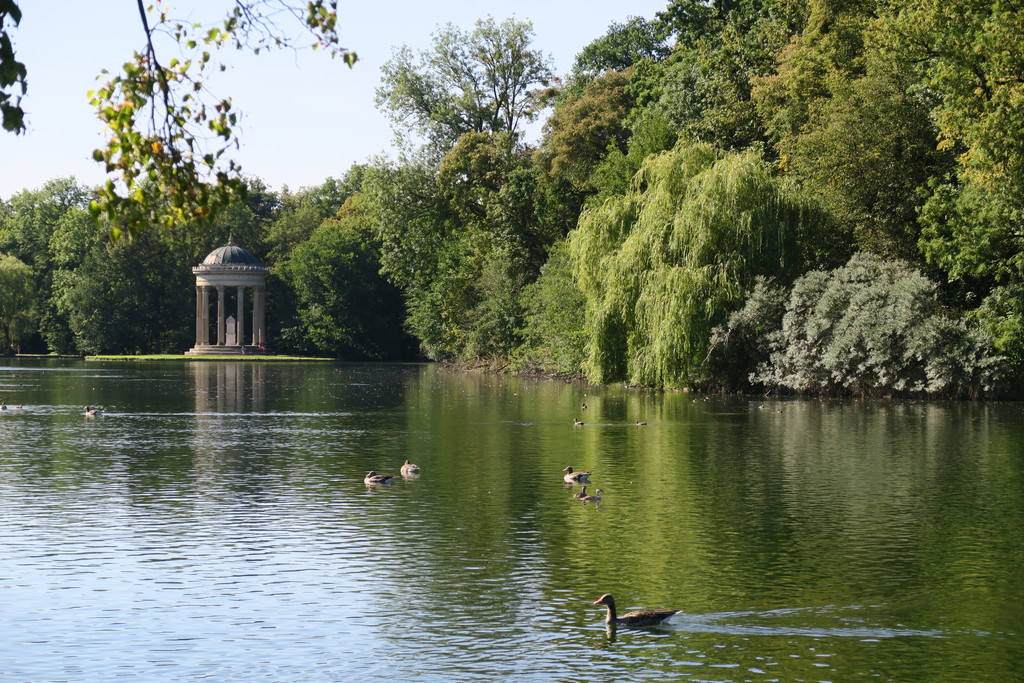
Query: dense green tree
point(17, 291)
point(486, 79)
point(33, 228)
point(31, 215)
point(662, 265)
point(847, 120)
point(461, 240)
point(581, 129)
point(345, 307)
point(691, 21)
point(825, 54)
point(722, 47)
point(74, 234)
point(970, 60)
point(1001, 317)
point(298, 214)
point(128, 297)
point(706, 92)
point(866, 152)
point(650, 133)
point(620, 48)
point(553, 333)
point(420, 248)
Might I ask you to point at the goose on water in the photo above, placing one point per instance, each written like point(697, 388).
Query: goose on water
point(640, 617)
point(372, 478)
point(575, 477)
point(409, 468)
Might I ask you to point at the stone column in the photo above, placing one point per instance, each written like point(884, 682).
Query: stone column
point(256, 315)
point(263, 316)
point(240, 315)
point(221, 318)
point(199, 315)
point(205, 316)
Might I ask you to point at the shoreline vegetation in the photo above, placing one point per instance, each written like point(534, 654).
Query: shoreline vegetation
point(772, 199)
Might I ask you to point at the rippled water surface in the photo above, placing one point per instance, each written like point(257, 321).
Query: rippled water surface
point(214, 523)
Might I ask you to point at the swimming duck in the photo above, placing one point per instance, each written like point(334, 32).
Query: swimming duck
point(575, 477)
point(639, 424)
point(372, 478)
point(640, 617)
point(577, 422)
point(92, 411)
point(409, 468)
point(580, 495)
point(591, 499)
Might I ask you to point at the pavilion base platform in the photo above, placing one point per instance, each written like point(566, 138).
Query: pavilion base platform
point(225, 350)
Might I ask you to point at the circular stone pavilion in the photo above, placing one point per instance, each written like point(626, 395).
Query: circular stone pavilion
point(228, 278)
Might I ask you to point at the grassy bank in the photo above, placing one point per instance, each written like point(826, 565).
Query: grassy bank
point(178, 356)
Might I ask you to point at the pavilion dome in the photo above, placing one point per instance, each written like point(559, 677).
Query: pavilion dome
point(231, 257)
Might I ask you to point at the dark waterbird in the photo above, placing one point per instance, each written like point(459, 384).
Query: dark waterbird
point(640, 617)
point(575, 477)
point(372, 478)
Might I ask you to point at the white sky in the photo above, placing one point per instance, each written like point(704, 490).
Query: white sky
point(306, 117)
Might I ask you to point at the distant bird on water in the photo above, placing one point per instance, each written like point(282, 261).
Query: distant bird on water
point(92, 412)
point(640, 617)
point(640, 424)
point(592, 499)
point(577, 422)
point(409, 468)
point(575, 477)
point(372, 478)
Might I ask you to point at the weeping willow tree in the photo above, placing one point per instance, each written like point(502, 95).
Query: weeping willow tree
point(663, 264)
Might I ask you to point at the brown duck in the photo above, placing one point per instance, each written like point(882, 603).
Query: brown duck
point(641, 617)
point(409, 468)
point(575, 477)
point(372, 478)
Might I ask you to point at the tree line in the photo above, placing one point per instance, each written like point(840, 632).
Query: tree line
point(770, 195)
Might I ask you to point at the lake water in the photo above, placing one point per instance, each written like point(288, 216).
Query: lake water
point(214, 524)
